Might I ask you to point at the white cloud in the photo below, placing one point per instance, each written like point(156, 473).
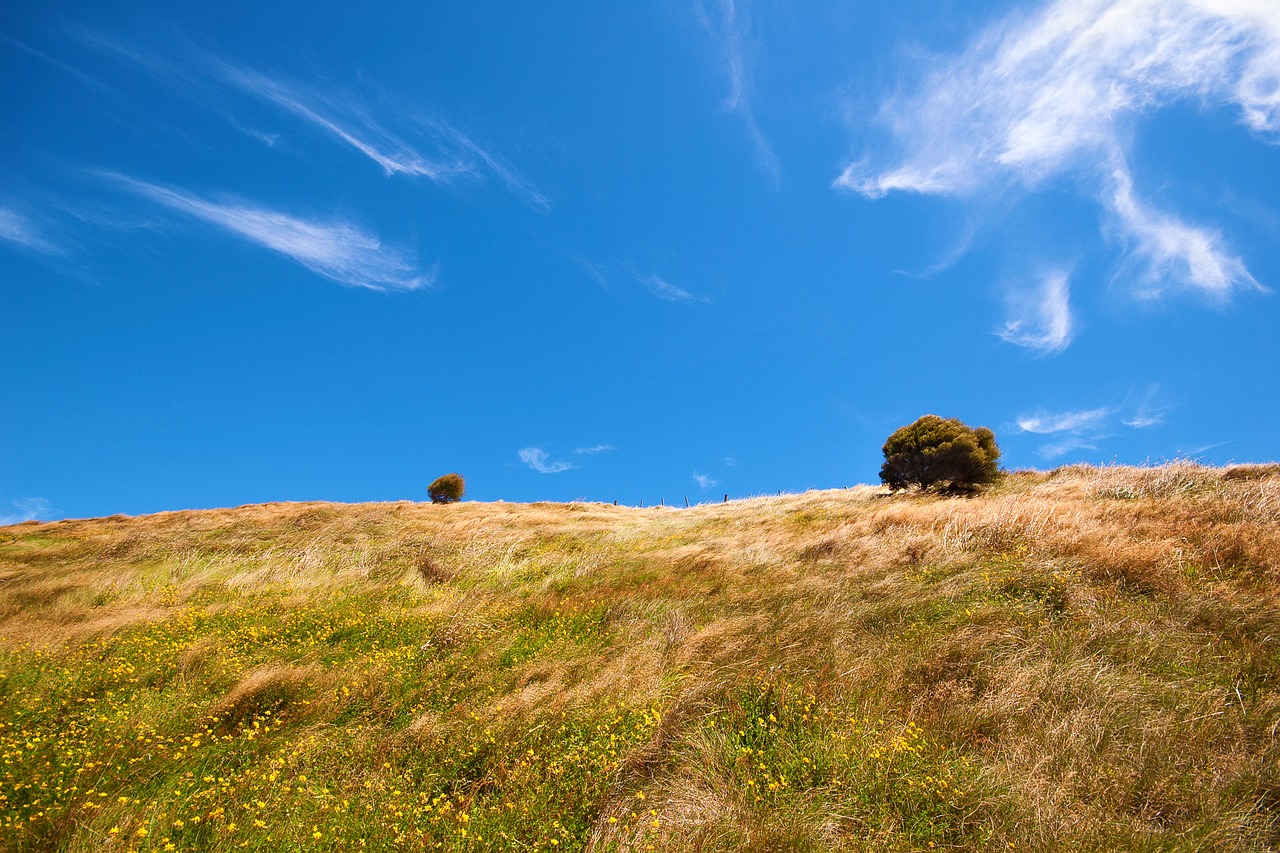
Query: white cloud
point(704, 481)
point(1041, 319)
point(67, 69)
point(515, 182)
point(667, 291)
point(334, 249)
point(1169, 250)
point(349, 120)
point(537, 459)
point(1056, 92)
point(400, 141)
point(1085, 428)
point(727, 23)
point(595, 449)
point(1078, 430)
point(1144, 418)
point(19, 230)
point(1147, 412)
point(593, 270)
point(356, 128)
point(1044, 423)
point(1054, 450)
point(27, 509)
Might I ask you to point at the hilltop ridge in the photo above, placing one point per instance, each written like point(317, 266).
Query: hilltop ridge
point(1080, 658)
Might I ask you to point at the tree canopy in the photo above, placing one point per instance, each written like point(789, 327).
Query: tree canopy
point(447, 489)
point(940, 453)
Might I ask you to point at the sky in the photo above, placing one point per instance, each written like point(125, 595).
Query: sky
point(657, 251)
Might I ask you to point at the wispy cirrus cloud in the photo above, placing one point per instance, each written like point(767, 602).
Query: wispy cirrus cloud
point(346, 122)
point(507, 174)
point(593, 270)
point(667, 291)
point(64, 67)
point(595, 449)
point(334, 249)
point(1057, 449)
point(704, 481)
point(1148, 411)
point(399, 140)
point(601, 273)
point(1167, 250)
point(539, 460)
point(27, 509)
point(1040, 318)
point(1073, 430)
point(440, 152)
point(1144, 418)
point(19, 230)
point(1044, 423)
point(727, 24)
point(1084, 429)
point(1057, 91)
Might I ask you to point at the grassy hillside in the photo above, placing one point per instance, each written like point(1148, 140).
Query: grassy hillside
point(1081, 659)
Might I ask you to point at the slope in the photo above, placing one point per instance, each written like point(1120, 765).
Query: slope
point(1085, 658)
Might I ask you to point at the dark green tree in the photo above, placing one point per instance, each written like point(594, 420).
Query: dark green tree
point(447, 489)
point(942, 454)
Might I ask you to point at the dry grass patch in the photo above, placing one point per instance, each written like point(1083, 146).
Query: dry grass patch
point(1086, 657)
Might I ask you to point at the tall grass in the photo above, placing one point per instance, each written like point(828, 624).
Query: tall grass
point(1085, 658)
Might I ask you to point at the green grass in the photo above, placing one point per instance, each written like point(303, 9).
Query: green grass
point(131, 739)
point(1031, 669)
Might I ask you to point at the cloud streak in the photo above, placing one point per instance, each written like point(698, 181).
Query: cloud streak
point(17, 229)
point(346, 119)
point(1078, 430)
point(1057, 92)
point(727, 24)
point(1082, 429)
point(595, 449)
point(336, 250)
point(704, 481)
point(456, 155)
point(65, 68)
point(1041, 320)
point(1147, 412)
point(669, 292)
point(359, 130)
point(27, 509)
point(537, 459)
point(1045, 423)
point(1165, 249)
point(399, 141)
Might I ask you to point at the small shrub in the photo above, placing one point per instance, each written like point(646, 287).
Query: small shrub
point(940, 453)
point(447, 489)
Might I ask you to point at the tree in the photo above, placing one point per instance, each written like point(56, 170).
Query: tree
point(447, 489)
point(940, 453)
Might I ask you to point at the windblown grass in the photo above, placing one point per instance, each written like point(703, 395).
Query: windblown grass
point(1080, 659)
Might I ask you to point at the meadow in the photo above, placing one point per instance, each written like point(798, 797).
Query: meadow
point(1084, 659)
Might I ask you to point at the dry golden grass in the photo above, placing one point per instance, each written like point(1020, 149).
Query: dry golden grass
point(1091, 654)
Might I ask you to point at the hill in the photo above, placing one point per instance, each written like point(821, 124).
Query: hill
point(1085, 658)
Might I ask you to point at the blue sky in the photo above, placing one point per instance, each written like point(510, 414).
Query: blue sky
point(667, 250)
